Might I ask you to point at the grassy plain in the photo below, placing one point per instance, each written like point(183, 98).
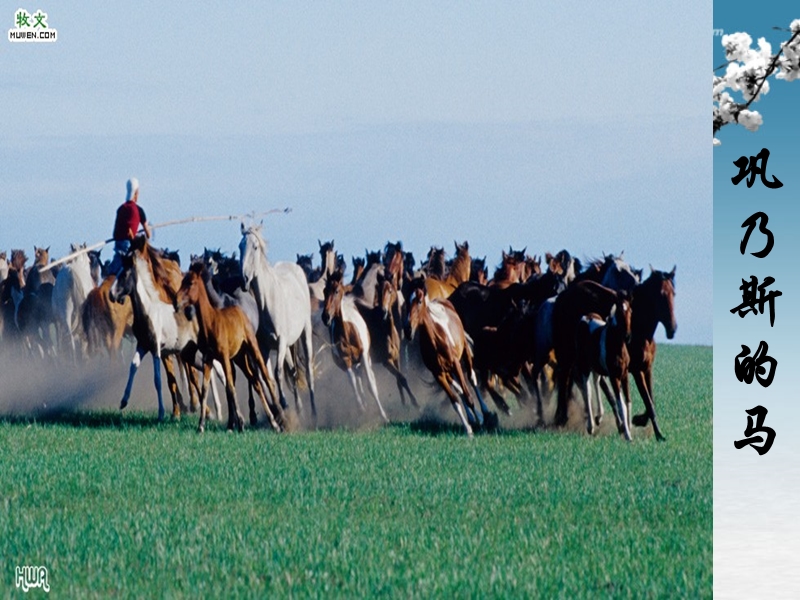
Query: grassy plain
point(119, 505)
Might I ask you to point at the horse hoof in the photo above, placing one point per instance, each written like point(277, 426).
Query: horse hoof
point(253, 420)
point(598, 420)
point(123, 404)
point(640, 420)
point(201, 429)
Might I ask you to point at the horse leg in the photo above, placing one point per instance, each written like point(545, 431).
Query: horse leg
point(487, 414)
point(639, 376)
point(373, 387)
point(214, 392)
point(279, 364)
point(586, 389)
point(443, 381)
point(612, 402)
point(157, 383)
point(292, 364)
point(203, 393)
point(250, 365)
point(402, 383)
point(598, 381)
point(235, 418)
point(497, 397)
point(307, 350)
point(621, 408)
point(462, 380)
point(354, 382)
point(172, 385)
point(564, 382)
point(137, 360)
point(648, 376)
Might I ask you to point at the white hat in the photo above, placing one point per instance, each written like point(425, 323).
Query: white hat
point(133, 187)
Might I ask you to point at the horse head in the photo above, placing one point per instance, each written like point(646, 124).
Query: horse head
point(387, 295)
point(125, 281)
point(374, 258)
point(192, 286)
point(306, 262)
point(620, 315)
point(252, 249)
point(328, 257)
point(667, 303)
point(333, 295)
point(417, 301)
point(657, 294)
point(41, 256)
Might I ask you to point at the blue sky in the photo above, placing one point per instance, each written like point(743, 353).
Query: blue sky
point(545, 126)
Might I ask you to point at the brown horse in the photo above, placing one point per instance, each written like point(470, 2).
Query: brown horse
point(350, 339)
point(444, 349)
point(602, 351)
point(384, 334)
point(459, 273)
point(653, 303)
point(511, 269)
point(41, 258)
point(104, 322)
point(227, 336)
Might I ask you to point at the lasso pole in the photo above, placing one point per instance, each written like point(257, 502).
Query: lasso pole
point(252, 215)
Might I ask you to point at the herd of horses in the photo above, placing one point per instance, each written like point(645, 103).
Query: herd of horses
point(533, 325)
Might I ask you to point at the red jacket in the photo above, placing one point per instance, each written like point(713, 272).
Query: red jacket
point(129, 216)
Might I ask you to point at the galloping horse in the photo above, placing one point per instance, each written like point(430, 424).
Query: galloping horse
point(284, 303)
point(350, 340)
point(225, 335)
point(382, 322)
point(152, 284)
point(72, 287)
point(602, 350)
point(35, 312)
point(445, 351)
point(106, 322)
point(653, 303)
point(570, 306)
point(459, 273)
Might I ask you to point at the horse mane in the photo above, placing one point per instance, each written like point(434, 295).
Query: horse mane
point(163, 276)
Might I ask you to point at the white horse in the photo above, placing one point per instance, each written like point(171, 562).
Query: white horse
point(72, 287)
point(284, 303)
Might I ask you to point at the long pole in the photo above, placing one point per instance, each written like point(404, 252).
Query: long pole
point(252, 215)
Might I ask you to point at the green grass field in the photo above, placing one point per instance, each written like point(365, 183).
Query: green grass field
point(123, 506)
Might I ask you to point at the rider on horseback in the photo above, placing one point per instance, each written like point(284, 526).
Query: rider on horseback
point(129, 216)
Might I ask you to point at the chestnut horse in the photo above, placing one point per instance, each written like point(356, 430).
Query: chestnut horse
point(602, 350)
point(225, 335)
point(653, 302)
point(105, 322)
point(350, 339)
point(444, 349)
point(459, 273)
